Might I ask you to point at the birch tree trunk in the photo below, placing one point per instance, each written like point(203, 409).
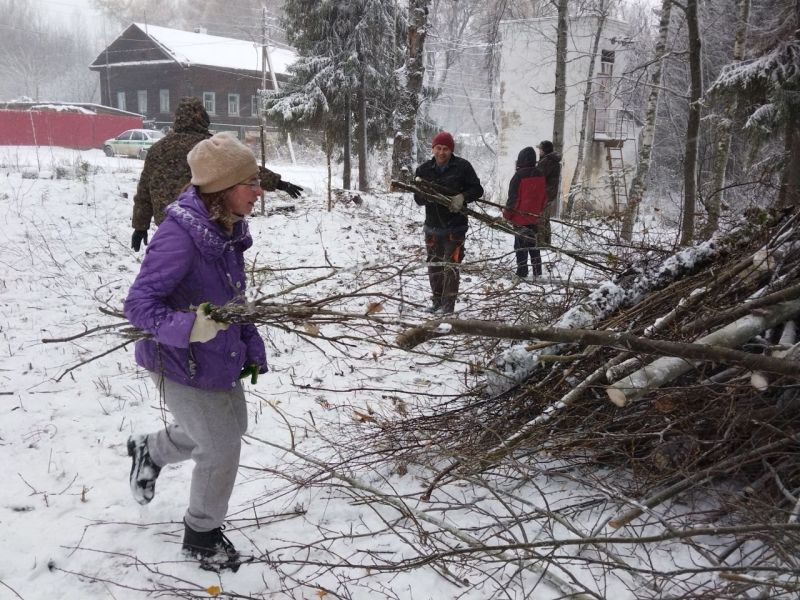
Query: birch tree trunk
point(666, 369)
point(405, 118)
point(561, 76)
point(576, 185)
point(716, 197)
point(692, 125)
point(639, 183)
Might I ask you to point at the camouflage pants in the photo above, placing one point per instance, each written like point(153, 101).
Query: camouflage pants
point(445, 252)
point(545, 233)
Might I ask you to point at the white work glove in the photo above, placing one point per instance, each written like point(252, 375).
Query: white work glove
point(456, 202)
point(205, 328)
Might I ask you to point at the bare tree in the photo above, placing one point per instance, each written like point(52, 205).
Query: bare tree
point(559, 112)
point(723, 125)
point(577, 178)
point(639, 184)
point(154, 12)
point(42, 61)
point(692, 124)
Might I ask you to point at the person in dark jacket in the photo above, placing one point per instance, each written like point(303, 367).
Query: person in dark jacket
point(446, 226)
point(166, 172)
point(196, 259)
point(550, 167)
point(527, 197)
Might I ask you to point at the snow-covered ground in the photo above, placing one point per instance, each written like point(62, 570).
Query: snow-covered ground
point(69, 527)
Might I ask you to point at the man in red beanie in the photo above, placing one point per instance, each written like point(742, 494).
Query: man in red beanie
point(446, 226)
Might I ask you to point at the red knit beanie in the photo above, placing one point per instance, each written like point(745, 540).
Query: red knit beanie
point(443, 139)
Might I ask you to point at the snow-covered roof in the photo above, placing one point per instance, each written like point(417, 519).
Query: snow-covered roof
point(87, 108)
point(190, 48)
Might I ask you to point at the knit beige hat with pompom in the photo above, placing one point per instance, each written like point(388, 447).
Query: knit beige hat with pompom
point(221, 162)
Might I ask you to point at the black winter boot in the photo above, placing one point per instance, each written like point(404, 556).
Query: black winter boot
point(212, 548)
point(144, 471)
point(436, 305)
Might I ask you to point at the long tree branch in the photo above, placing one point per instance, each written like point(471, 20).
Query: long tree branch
point(430, 330)
point(398, 504)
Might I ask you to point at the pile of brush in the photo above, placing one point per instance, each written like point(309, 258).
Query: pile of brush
point(678, 378)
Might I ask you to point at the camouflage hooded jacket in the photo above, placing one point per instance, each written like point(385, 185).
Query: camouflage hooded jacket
point(166, 171)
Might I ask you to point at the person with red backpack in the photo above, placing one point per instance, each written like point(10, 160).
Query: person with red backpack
point(527, 196)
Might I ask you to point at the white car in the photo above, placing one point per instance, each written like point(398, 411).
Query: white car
point(134, 142)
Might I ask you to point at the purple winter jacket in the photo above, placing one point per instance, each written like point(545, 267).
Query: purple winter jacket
point(191, 260)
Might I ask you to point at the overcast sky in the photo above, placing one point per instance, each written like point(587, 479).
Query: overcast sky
point(65, 9)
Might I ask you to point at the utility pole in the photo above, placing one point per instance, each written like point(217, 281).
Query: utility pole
point(262, 117)
point(266, 58)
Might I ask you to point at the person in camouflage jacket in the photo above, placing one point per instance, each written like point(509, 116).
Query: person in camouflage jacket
point(166, 172)
point(550, 167)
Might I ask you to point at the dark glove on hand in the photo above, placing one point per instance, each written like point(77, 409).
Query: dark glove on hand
point(290, 188)
point(252, 371)
point(139, 236)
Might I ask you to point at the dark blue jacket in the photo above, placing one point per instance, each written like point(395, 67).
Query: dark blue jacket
point(458, 177)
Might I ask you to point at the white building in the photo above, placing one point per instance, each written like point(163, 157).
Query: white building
point(526, 81)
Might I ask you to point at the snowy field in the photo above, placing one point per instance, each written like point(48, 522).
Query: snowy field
point(69, 528)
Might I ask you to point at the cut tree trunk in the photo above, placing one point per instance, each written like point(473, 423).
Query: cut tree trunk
point(666, 369)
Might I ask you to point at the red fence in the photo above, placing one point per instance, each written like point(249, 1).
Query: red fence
point(59, 128)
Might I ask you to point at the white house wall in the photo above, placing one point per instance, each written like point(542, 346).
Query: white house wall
point(526, 80)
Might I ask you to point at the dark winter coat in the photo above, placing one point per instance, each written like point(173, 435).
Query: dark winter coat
point(550, 166)
point(166, 173)
point(192, 260)
point(458, 177)
point(526, 191)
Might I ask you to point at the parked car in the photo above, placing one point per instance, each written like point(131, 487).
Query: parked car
point(134, 142)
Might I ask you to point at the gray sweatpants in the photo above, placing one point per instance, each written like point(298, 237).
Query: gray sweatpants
point(208, 428)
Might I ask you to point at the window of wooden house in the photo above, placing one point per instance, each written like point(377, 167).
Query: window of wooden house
point(233, 105)
point(254, 106)
point(210, 102)
point(163, 101)
point(141, 101)
point(121, 100)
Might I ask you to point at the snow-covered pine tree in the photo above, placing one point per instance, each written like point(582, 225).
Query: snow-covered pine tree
point(769, 79)
point(723, 126)
point(348, 50)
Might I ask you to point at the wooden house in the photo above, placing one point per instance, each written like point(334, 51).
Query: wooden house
point(147, 69)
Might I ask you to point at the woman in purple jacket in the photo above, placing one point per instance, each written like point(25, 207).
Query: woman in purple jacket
point(196, 258)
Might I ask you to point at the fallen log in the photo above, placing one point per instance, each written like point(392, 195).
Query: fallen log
point(664, 370)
